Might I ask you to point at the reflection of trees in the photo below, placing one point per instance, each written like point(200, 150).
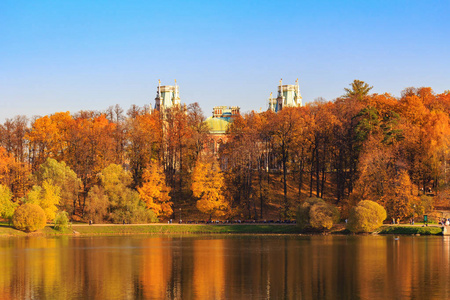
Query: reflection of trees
point(209, 268)
point(156, 268)
point(285, 267)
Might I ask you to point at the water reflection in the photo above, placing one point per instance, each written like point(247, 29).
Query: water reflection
point(224, 267)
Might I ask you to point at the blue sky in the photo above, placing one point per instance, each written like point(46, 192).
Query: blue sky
point(83, 55)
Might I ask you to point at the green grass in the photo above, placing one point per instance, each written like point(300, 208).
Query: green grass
point(143, 229)
point(156, 229)
point(5, 230)
point(427, 230)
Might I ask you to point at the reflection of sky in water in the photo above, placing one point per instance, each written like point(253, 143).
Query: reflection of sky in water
point(225, 267)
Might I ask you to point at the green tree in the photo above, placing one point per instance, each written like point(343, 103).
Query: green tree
point(359, 89)
point(61, 221)
point(116, 181)
point(317, 214)
point(125, 204)
point(29, 217)
point(7, 206)
point(134, 211)
point(61, 175)
point(47, 197)
point(366, 216)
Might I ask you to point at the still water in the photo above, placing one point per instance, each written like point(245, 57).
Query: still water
point(225, 267)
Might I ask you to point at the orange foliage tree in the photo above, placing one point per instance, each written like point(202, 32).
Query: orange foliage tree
point(154, 191)
point(207, 186)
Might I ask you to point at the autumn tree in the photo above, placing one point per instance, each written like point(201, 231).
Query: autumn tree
point(199, 131)
point(47, 196)
point(285, 125)
point(7, 206)
point(400, 196)
point(60, 175)
point(144, 135)
point(154, 191)
point(207, 187)
point(366, 216)
point(125, 204)
point(116, 182)
point(115, 115)
point(243, 154)
point(14, 174)
point(375, 171)
point(317, 214)
point(13, 133)
point(29, 217)
point(303, 147)
point(6, 160)
point(90, 147)
point(177, 136)
point(47, 138)
point(97, 204)
point(347, 148)
point(323, 144)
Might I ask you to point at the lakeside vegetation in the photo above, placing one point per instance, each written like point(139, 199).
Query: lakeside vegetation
point(145, 166)
point(422, 230)
point(158, 229)
point(87, 230)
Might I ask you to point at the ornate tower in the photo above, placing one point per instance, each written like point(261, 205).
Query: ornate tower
point(288, 96)
point(272, 103)
point(167, 96)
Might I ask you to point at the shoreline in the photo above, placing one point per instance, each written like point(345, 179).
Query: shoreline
point(158, 228)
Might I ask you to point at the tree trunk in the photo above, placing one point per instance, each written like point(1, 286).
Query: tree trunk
point(300, 175)
point(260, 191)
point(317, 173)
point(311, 174)
point(323, 172)
point(284, 178)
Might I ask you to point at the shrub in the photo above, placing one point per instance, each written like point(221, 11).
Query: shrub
point(366, 216)
point(316, 213)
point(134, 212)
point(61, 221)
point(29, 217)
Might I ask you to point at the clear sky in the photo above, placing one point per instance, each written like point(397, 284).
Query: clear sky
point(83, 55)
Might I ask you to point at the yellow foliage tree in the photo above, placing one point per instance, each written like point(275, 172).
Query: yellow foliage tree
point(154, 191)
point(367, 216)
point(207, 185)
point(7, 207)
point(47, 197)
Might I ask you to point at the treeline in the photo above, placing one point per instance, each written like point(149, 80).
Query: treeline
point(359, 146)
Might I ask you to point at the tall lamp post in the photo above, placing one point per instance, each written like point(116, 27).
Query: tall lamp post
point(180, 215)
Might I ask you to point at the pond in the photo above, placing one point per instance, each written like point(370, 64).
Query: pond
point(225, 267)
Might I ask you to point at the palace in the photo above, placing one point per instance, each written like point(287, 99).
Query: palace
point(218, 125)
point(288, 96)
point(167, 96)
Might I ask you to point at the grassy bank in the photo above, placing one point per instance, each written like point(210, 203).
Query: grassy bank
point(203, 229)
point(164, 229)
point(427, 230)
point(157, 229)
